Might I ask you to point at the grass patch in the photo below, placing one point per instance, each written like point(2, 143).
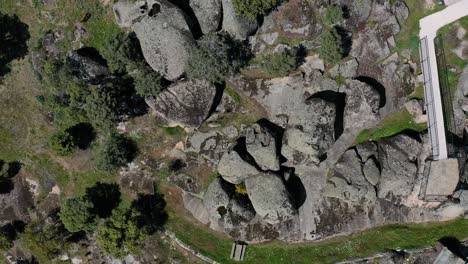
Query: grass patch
point(408, 36)
point(418, 93)
point(176, 131)
point(234, 95)
point(391, 125)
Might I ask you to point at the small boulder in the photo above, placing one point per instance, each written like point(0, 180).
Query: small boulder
point(186, 103)
point(261, 144)
point(400, 10)
point(234, 169)
point(216, 199)
point(208, 13)
point(347, 69)
point(366, 150)
point(371, 172)
point(86, 68)
point(236, 25)
point(270, 198)
point(349, 167)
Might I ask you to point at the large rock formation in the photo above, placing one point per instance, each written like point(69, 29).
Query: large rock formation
point(15, 204)
point(186, 103)
point(270, 198)
point(362, 104)
point(310, 132)
point(226, 209)
point(208, 13)
point(165, 39)
point(126, 12)
point(398, 157)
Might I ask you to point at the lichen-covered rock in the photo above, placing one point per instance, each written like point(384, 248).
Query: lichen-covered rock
point(216, 199)
point(261, 144)
point(15, 204)
point(310, 132)
point(165, 39)
point(126, 12)
point(371, 172)
point(234, 169)
point(349, 167)
point(347, 69)
point(225, 208)
point(186, 103)
point(366, 150)
point(196, 207)
point(236, 25)
point(208, 13)
point(401, 11)
point(85, 68)
point(270, 198)
point(339, 188)
point(398, 157)
point(370, 45)
point(362, 104)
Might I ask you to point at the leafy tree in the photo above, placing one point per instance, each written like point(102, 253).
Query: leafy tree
point(330, 46)
point(116, 151)
point(333, 15)
point(147, 82)
point(251, 9)
point(281, 64)
point(102, 106)
point(45, 241)
point(62, 143)
point(104, 197)
point(76, 215)
point(120, 235)
point(13, 40)
point(216, 57)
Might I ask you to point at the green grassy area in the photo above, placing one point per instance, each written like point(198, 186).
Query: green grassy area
point(380, 239)
point(408, 36)
point(450, 42)
point(391, 125)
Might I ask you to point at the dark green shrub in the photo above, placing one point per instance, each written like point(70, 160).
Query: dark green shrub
point(333, 15)
point(216, 57)
point(62, 143)
point(251, 9)
point(102, 107)
point(115, 151)
point(330, 46)
point(147, 82)
point(5, 242)
point(122, 52)
point(120, 235)
point(45, 241)
point(280, 64)
point(76, 215)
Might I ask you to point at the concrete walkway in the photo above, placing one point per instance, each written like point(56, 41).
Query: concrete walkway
point(429, 26)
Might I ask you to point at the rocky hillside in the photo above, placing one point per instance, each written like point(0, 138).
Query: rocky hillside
point(291, 120)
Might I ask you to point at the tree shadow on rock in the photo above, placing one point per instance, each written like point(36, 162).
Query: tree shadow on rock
point(152, 209)
point(14, 35)
point(346, 40)
point(105, 197)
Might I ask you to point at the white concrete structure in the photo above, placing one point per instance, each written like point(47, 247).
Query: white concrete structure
point(429, 26)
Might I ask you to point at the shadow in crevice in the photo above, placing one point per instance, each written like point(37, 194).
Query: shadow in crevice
point(455, 246)
point(296, 189)
point(191, 18)
point(377, 86)
point(339, 99)
point(277, 132)
point(346, 40)
point(412, 134)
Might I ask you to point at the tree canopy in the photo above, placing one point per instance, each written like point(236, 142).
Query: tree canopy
point(76, 215)
point(251, 9)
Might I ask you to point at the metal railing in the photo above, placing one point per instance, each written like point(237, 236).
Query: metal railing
point(429, 96)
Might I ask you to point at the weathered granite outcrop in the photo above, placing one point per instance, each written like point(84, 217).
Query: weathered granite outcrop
point(186, 103)
point(208, 13)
